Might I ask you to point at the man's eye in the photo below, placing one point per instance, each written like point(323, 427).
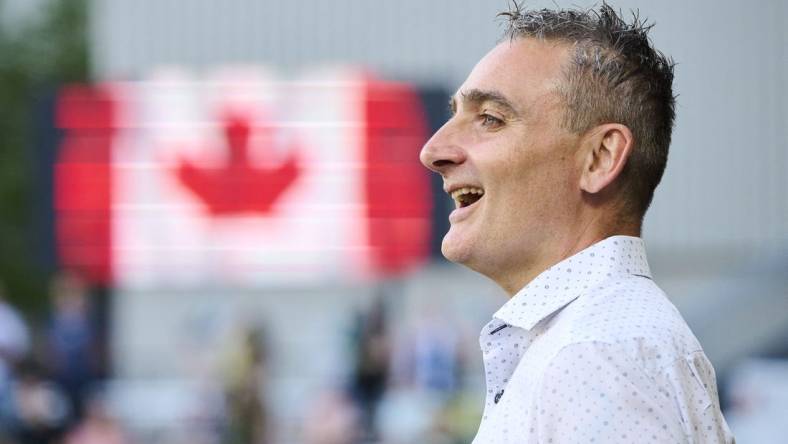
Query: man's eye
point(490, 121)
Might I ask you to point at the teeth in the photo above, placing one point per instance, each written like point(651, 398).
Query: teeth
point(458, 193)
point(466, 190)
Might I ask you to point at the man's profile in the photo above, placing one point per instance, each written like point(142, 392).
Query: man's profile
point(557, 140)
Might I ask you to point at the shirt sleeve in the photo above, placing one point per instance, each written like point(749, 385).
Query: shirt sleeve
point(596, 393)
point(692, 381)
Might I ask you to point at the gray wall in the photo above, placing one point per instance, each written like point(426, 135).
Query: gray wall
point(17, 13)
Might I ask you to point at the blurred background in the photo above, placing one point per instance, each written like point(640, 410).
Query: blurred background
point(214, 227)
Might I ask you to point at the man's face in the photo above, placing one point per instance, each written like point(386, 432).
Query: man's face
point(507, 162)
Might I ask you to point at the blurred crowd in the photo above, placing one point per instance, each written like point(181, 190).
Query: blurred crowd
point(51, 371)
point(402, 388)
point(408, 375)
point(56, 385)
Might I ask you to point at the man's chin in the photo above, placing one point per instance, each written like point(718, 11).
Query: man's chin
point(456, 250)
point(465, 251)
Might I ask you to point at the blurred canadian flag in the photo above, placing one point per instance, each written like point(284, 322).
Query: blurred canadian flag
point(241, 178)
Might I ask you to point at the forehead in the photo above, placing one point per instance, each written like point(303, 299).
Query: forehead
point(524, 70)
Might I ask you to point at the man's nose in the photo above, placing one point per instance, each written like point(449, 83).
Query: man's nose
point(442, 152)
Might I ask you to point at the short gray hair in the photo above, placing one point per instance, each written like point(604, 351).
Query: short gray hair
point(615, 75)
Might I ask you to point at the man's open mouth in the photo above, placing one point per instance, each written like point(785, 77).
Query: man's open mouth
point(466, 196)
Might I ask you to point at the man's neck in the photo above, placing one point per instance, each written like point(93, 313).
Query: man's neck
point(563, 248)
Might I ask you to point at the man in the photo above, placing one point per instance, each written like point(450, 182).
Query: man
point(558, 138)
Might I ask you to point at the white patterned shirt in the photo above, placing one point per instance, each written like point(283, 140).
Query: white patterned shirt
point(592, 351)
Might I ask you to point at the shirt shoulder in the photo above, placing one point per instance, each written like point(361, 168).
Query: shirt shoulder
point(634, 314)
point(624, 345)
point(595, 389)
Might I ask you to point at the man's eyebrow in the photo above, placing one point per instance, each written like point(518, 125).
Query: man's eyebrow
point(476, 97)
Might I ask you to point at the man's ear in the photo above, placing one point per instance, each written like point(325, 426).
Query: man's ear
point(605, 152)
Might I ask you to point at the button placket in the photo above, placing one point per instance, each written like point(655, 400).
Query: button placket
point(502, 346)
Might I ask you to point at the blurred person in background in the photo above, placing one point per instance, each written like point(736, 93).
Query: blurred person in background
point(14, 340)
point(558, 138)
point(71, 340)
point(371, 368)
point(245, 375)
point(14, 344)
point(425, 398)
point(436, 356)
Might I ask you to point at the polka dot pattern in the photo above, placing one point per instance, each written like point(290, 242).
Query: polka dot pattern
point(592, 351)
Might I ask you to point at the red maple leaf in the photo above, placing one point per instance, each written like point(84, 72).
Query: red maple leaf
point(239, 187)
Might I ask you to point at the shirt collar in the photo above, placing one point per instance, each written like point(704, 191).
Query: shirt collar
point(565, 281)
